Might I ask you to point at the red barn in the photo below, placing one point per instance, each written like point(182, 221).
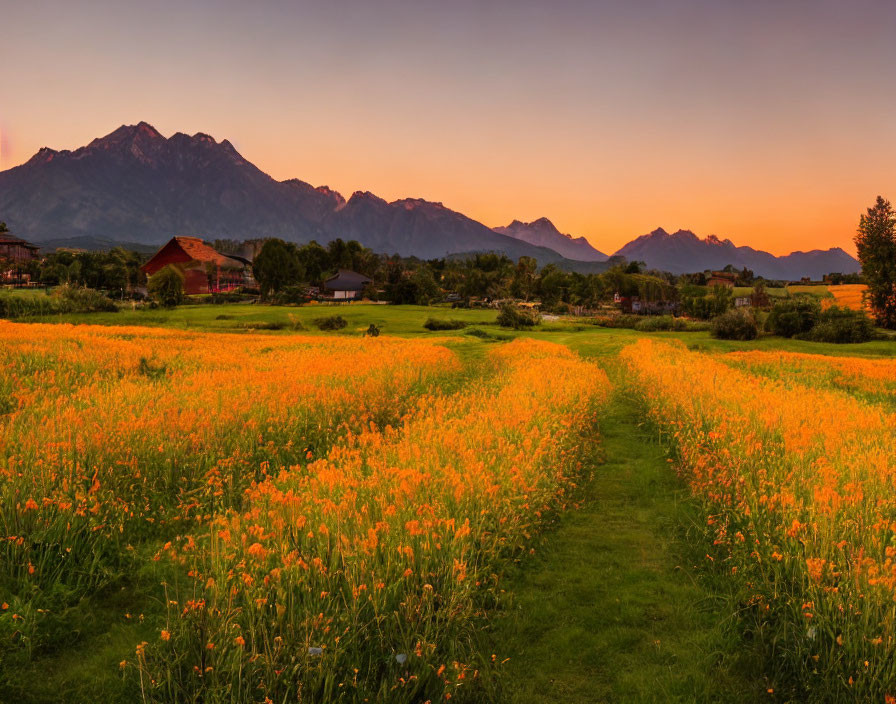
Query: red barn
point(205, 270)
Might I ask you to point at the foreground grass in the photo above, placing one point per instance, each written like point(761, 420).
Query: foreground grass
point(611, 611)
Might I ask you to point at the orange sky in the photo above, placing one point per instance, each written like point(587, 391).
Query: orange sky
point(768, 123)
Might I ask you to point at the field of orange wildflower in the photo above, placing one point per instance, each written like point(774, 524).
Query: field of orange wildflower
point(850, 296)
point(797, 483)
point(872, 379)
point(322, 518)
point(113, 438)
point(365, 575)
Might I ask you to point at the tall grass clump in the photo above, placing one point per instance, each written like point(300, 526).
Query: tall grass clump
point(796, 486)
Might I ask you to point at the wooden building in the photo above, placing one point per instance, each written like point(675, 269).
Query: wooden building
point(722, 278)
point(205, 270)
point(347, 284)
point(17, 250)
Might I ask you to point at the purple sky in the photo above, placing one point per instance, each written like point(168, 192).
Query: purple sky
point(767, 122)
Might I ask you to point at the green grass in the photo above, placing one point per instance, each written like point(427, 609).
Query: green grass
point(610, 609)
point(393, 320)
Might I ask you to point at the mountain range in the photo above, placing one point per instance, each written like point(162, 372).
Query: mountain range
point(543, 233)
point(136, 186)
point(683, 252)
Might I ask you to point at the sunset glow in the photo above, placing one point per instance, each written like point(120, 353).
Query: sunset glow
point(766, 123)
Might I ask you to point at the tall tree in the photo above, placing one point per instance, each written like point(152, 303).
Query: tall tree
point(876, 244)
point(277, 265)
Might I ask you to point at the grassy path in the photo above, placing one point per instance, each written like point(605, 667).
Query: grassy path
point(610, 611)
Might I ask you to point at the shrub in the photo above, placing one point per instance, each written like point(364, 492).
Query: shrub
point(331, 322)
point(441, 324)
point(516, 318)
point(166, 287)
point(618, 321)
point(77, 299)
point(660, 323)
point(227, 297)
point(264, 325)
point(291, 295)
point(736, 324)
point(794, 316)
point(841, 325)
point(295, 322)
point(486, 335)
point(372, 331)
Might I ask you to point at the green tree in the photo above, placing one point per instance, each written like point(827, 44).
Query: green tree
point(524, 278)
point(876, 245)
point(277, 265)
point(552, 285)
point(3, 227)
point(794, 316)
point(166, 286)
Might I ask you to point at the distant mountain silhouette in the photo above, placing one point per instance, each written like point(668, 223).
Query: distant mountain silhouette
point(134, 185)
point(683, 252)
point(543, 233)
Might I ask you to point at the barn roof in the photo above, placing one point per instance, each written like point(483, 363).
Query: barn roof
point(202, 252)
point(8, 238)
point(347, 280)
point(193, 248)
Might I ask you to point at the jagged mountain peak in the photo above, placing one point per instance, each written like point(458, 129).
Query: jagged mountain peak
point(685, 252)
point(543, 233)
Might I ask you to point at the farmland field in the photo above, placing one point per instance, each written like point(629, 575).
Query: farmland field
point(850, 296)
point(194, 509)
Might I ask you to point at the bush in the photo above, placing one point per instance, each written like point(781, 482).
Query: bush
point(513, 317)
point(227, 297)
point(737, 324)
point(372, 331)
point(290, 295)
point(331, 322)
point(660, 323)
point(486, 335)
point(618, 321)
point(166, 287)
point(794, 316)
point(841, 325)
point(437, 324)
point(651, 323)
point(76, 299)
point(264, 325)
point(65, 299)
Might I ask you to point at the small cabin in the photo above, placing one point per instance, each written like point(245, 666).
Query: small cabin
point(205, 270)
point(347, 284)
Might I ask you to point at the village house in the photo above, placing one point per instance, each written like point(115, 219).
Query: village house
point(14, 252)
point(722, 278)
point(205, 270)
point(346, 284)
point(743, 301)
point(17, 250)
